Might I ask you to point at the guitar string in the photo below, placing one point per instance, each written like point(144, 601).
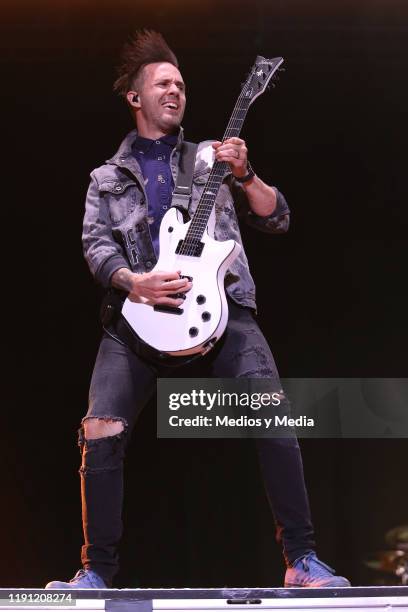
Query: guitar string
point(200, 221)
point(202, 214)
point(194, 234)
point(206, 203)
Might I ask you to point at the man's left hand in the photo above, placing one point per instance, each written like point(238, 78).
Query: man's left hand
point(235, 153)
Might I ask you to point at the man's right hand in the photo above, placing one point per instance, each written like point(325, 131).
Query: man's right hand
point(151, 287)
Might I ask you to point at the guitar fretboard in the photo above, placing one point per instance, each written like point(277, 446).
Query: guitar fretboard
point(201, 216)
point(256, 83)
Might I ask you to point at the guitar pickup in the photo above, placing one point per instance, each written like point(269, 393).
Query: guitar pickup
point(168, 309)
point(192, 248)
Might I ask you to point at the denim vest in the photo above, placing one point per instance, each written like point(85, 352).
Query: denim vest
point(116, 225)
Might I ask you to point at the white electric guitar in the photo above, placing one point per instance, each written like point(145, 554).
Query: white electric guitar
point(197, 324)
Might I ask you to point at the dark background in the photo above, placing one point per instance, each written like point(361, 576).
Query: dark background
point(332, 293)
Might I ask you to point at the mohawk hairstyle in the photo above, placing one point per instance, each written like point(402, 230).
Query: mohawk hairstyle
point(145, 47)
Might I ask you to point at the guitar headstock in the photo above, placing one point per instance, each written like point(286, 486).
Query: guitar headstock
point(262, 73)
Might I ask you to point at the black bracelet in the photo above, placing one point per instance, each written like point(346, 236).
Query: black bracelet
point(247, 177)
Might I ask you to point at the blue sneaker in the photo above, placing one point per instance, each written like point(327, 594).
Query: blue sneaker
point(310, 572)
point(83, 579)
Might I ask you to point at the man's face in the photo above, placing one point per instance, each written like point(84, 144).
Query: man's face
point(162, 97)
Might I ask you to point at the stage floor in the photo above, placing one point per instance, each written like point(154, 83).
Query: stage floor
point(351, 599)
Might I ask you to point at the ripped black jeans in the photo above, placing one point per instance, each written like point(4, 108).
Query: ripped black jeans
point(121, 386)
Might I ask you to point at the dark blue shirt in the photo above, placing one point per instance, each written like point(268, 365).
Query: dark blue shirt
point(154, 160)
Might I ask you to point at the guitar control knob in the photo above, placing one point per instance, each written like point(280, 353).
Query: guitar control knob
point(201, 299)
point(206, 316)
point(193, 331)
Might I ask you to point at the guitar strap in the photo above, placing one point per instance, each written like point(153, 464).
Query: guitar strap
point(184, 183)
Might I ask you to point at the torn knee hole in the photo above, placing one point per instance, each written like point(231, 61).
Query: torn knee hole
point(95, 428)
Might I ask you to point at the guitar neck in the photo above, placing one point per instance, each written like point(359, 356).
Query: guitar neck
point(202, 214)
point(256, 83)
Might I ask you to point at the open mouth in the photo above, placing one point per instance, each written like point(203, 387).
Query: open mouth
point(171, 106)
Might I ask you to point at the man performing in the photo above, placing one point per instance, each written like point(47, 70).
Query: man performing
point(126, 201)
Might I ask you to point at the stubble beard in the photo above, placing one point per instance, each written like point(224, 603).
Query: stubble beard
point(169, 124)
